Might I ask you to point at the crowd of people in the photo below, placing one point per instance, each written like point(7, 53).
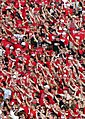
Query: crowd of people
point(42, 59)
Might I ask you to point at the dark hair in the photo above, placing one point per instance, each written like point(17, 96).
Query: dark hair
point(4, 83)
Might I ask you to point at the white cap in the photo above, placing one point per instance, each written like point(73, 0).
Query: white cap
point(24, 77)
point(62, 20)
point(8, 7)
point(63, 33)
point(47, 86)
point(11, 47)
point(60, 28)
point(23, 43)
point(74, 16)
point(77, 37)
point(62, 40)
point(33, 55)
point(14, 76)
point(65, 29)
point(70, 57)
point(20, 109)
point(68, 5)
point(65, 75)
point(18, 49)
point(53, 37)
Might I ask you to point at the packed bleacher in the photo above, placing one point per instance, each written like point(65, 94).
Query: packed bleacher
point(42, 59)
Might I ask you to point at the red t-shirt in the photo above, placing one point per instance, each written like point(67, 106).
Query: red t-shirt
point(33, 113)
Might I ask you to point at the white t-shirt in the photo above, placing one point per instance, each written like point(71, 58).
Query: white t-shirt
point(7, 93)
point(12, 115)
point(19, 36)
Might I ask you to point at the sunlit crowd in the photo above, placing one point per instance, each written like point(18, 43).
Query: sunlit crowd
point(42, 59)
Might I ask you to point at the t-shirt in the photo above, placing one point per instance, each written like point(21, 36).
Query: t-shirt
point(7, 93)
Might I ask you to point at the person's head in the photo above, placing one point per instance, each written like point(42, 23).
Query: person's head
point(1, 99)
point(46, 88)
point(75, 101)
point(63, 109)
point(24, 102)
point(18, 50)
point(51, 116)
point(15, 107)
point(22, 114)
point(81, 111)
point(33, 107)
point(4, 34)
